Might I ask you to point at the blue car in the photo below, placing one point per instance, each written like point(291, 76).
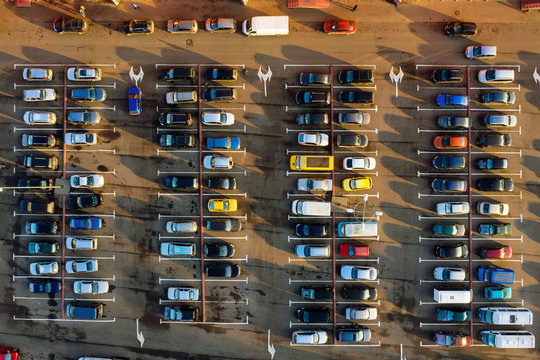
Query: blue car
point(452, 100)
point(86, 223)
point(49, 287)
point(229, 142)
point(134, 101)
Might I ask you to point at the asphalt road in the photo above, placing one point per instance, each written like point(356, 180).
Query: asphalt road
point(408, 37)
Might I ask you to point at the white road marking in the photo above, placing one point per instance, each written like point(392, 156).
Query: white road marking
point(207, 279)
point(180, 259)
point(207, 172)
point(419, 152)
point(161, 321)
point(473, 174)
point(160, 216)
point(64, 320)
point(520, 239)
point(202, 65)
point(336, 345)
point(327, 65)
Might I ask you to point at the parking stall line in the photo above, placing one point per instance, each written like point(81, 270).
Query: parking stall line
point(198, 280)
point(362, 195)
point(177, 237)
point(15, 66)
point(291, 324)
point(15, 129)
point(64, 320)
point(518, 87)
point(159, 194)
point(161, 321)
point(418, 108)
point(239, 302)
point(450, 217)
point(336, 345)
point(60, 299)
point(522, 302)
point(298, 108)
point(181, 259)
point(243, 86)
point(307, 173)
point(376, 131)
point(418, 87)
point(306, 152)
point(60, 277)
point(520, 195)
point(92, 150)
point(37, 236)
point(444, 324)
point(355, 153)
point(354, 173)
point(498, 110)
point(292, 302)
point(420, 260)
point(16, 149)
point(420, 174)
point(289, 217)
point(243, 66)
point(160, 108)
point(421, 238)
point(351, 218)
point(442, 281)
point(206, 173)
point(243, 217)
point(463, 131)
point(113, 215)
point(86, 193)
point(329, 281)
point(304, 195)
point(90, 172)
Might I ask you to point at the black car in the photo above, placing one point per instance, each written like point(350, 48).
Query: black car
point(222, 270)
point(356, 96)
point(460, 28)
point(314, 79)
point(63, 25)
point(38, 140)
point(453, 122)
point(45, 286)
point(498, 97)
point(305, 119)
point(317, 292)
point(41, 227)
point(220, 95)
point(495, 229)
point(229, 225)
point(447, 76)
point(85, 201)
point(491, 163)
point(498, 184)
point(41, 162)
point(451, 251)
point(313, 315)
point(352, 140)
point(359, 293)
point(221, 74)
point(37, 207)
point(181, 182)
point(355, 77)
point(449, 162)
point(134, 27)
point(35, 184)
point(311, 229)
point(183, 140)
point(222, 183)
point(449, 185)
point(218, 250)
point(178, 74)
point(494, 140)
point(181, 313)
point(313, 98)
point(175, 119)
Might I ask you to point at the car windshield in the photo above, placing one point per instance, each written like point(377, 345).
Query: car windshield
point(477, 51)
point(214, 24)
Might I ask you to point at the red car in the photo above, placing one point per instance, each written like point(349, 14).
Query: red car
point(354, 250)
point(450, 142)
point(8, 354)
point(496, 252)
point(340, 27)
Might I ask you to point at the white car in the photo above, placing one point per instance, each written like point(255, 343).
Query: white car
point(305, 184)
point(181, 226)
point(309, 337)
point(80, 138)
point(83, 74)
point(81, 243)
point(91, 287)
point(492, 208)
point(217, 118)
point(315, 250)
point(44, 268)
point(452, 208)
point(218, 162)
point(444, 273)
point(312, 139)
point(361, 313)
point(37, 74)
point(500, 120)
point(39, 117)
point(32, 95)
point(183, 294)
point(87, 181)
point(355, 272)
point(496, 76)
point(480, 52)
point(77, 266)
point(359, 163)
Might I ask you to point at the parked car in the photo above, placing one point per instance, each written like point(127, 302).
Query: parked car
point(181, 313)
point(359, 163)
point(181, 182)
point(496, 76)
point(459, 250)
point(313, 139)
point(452, 208)
point(443, 314)
point(178, 74)
point(218, 162)
point(354, 335)
point(83, 73)
point(41, 227)
point(480, 52)
point(222, 205)
point(313, 315)
point(500, 121)
point(182, 140)
point(177, 249)
point(217, 118)
point(44, 207)
point(218, 250)
point(135, 27)
point(87, 181)
point(446, 229)
point(175, 119)
point(33, 117)
point(84, 117)
point(85, 201)
point(85, 223)
point(134, 100)
point(44, 268)
point(70, 25)
point(78, 266)
point(357, 183)
point(494, 140)
point(221, 74)
point(180, 97)
point(80, 138)
point(354, 250)
point(356, 96)
point(181, 226)
point(41, 162)
point(89, 94)
point(449, 185)
point(340, 27)
point(220, 95)
point(221, 25)
point(445, 100)
point(314, 184)
point(312, 250)
point(317, 293)
point(44, 286)
point(92, 287)
point(360, 118)
point(445, 273)
point(496, 252)
point(460, 28)
point(494, 229)
point(183, 293)
point(447, 76)
point(47, 141)
point(445, 142)
point(492, 208)
point(313, 98)
point(361, 313)
point(314, 79)
point(449, 162)
point(497, 184)
point(352, 140)
point(453, 122)
point(452, 339)
point(37, 74)
point(221, 183)
point(498, 97)
point(35, 184)
point(43, 247)
point(34, 95)
point(178, 26)
point(227, 143)
point(491, 163)
point(356, 77)
point(229, 225)
point(363, 293)
point(306, 230)
point(81, 243)
point(223, 270)
point(355, 272)
point(309, 337)
point(498, 292)
point(305, 119)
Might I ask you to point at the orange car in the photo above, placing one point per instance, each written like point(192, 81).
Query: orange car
point(450, 142)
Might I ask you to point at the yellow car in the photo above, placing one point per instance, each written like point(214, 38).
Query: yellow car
point(222, 205)
point(358, 183)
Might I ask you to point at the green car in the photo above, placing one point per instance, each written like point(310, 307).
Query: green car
point(498, 292)
point(43, 247)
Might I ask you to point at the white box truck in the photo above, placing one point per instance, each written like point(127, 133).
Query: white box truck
point(311, 208)
point(452, 296)
point(266, 26)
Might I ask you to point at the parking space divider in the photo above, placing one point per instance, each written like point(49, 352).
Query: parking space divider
point(469, 179)
point(333, 214)
point(64, 158)
point(201, 208)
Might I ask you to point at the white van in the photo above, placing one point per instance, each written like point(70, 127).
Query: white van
point(266, 25)
point(353, 229)
point(505, 315)
point(507, 339)
point(311, 208)
point(457, 296)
